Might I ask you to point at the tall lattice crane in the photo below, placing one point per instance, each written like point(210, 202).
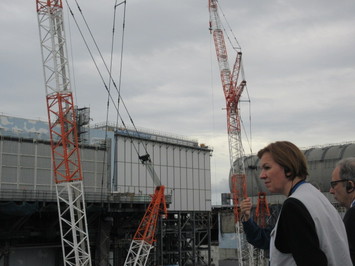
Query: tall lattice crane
point(63, 133)
point(144, 238)
point(232, 92)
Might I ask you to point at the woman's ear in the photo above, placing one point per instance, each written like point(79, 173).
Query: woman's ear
point(288, 173)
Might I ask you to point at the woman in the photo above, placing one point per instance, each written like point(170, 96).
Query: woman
point(309, 230)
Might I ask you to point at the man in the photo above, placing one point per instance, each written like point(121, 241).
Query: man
point(342, 187)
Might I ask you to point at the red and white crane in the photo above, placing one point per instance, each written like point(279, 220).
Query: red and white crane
point(144, 238)
point(66, 163)
point(232, 92)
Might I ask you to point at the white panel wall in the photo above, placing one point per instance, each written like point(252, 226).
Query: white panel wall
point(27, 166)
point(183, 170)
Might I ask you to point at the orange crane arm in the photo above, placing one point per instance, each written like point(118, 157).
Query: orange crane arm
point(144, 237)
point(147, 227)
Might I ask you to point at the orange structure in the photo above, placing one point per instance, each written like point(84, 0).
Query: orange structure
point(144, 237)
point(64, 137)
point(242, 182)
point(262, 210)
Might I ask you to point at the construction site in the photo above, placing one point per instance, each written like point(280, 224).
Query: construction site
point(75, 193)
point(118, 189)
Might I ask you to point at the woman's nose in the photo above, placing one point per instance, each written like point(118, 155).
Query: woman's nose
point(262, 175)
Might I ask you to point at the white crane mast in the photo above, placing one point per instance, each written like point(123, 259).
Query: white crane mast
point(63, 131)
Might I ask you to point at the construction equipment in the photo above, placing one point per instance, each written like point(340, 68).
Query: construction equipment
point(261, 213)
point(232, 92)
point(144, 238)
point(262, 210)
point(63, 134)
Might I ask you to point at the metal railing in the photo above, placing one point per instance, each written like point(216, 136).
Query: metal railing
point(45, 195)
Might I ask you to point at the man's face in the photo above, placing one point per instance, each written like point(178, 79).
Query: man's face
point(339, 190)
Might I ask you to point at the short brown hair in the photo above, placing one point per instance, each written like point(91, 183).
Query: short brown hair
point(289, 157)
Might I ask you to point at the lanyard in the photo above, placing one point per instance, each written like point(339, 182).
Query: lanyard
point(293, 189)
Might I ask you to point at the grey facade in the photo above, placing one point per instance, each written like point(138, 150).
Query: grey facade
point(117, 191)
point(182, 165)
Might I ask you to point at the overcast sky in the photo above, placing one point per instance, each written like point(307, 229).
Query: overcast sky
point(298, 58)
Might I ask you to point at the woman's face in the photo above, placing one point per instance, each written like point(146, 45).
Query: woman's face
point(273, 175)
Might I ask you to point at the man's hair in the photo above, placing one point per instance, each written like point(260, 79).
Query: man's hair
point(289, 157)
point(347, 168)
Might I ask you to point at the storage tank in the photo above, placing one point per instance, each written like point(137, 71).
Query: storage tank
point(321, 162)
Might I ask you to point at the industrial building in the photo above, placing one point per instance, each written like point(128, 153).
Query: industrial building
point(121, 168)
point(117, 192)
point(117, 189)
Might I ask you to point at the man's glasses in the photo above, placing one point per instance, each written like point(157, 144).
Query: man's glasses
point(334, 183)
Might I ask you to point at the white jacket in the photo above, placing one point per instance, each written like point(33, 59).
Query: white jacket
point(329, 226)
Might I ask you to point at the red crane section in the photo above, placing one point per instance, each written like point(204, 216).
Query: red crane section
point(262, 210)
point(147, 228)
point(144, 237)
point(237, 180)
point(66, 162)
point(64, 137)
point(232, 92)
point(42, 5)
point(60, 104)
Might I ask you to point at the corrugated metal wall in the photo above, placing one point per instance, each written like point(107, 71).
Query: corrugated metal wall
point(25, 165)
point(183, 170)
point(182, 165)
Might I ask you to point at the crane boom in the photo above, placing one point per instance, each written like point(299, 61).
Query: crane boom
point(66, 162)
point(145, 159)
point(232, 92)
point(144, 237)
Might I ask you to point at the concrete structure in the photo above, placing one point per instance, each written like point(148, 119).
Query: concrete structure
point(117, 191)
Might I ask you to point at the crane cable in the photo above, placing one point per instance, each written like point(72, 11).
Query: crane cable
point(121, 55)
point(113, 186)
point(114, 175)
point(238, 48)
point(214, 173)
point(110, 76)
